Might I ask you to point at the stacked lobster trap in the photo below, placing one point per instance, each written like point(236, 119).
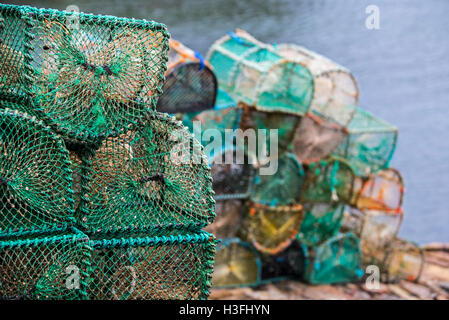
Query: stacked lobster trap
point(100, 197)
point(333, 205)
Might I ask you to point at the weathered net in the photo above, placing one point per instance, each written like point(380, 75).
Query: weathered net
point(232, 174)
point(158, 265)
point(229, 215)
point(35, 175)
point(281, 188)
point(237, 264)
point(45, 267)
point(370, 143)
point(254, 73)
point(272, 229)
point(334, 86)
point(321, 222)
point(331, 180)
point(315, 138)
point(156, 175)
point(334, 261)
point(288, 264)
point(405, 261)
point(87, 79)
point(191, 85)
point(382, 191)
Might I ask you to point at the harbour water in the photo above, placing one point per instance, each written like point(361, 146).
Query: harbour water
point(402, 70)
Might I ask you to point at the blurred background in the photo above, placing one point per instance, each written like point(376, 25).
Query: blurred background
point(402, 71)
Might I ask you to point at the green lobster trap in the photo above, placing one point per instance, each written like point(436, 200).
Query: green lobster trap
point(229, 217)
point(232, 174)
point(254, 73)
point(44, 267)
point(370, 143)
point(281, 188)
point(288, 264)
point(156, 265)
point(150, 177)
point(35, 175)
point(237, 264)
point(334, 86)
point(272, 229)
point(87, 76)
point(383, 190)
point(321, 222)
point(191, 85)
point(337, 260)
point(331, 180)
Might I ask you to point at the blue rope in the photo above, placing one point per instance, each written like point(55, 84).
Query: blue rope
point(200, 57)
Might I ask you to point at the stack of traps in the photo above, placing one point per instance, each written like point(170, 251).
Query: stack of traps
point(333, 158)
point(102, 196)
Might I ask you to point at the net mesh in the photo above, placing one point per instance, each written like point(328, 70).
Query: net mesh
point(334, 261)
point(272, 229)
point(370, 143)
point(254, 73)
point(52, 267)
point(191, 85)
point(87, 79)
point(321, 222)
point(237, 264)
point(170, 265)
point(282, 187)
point(35, 175)
point(157, 175)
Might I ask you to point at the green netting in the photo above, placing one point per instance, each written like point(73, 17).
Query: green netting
point(289, 264)
point(321, 222)
point(259, 120)
point(272, 229)
point(237, 264)
point(157, 175)
point(232, 174)
point(35, 176)
point(405, 261)
point(191, 85)
point(370, 143)
point(330, 180)
point(334, 86)
point(315, 139)
point(281, 188)
point(255, 74)
point(383, 190)
point(88, 76)
point(334, 261)
point(156, 265)
point(229, 215)
point(46, 267)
